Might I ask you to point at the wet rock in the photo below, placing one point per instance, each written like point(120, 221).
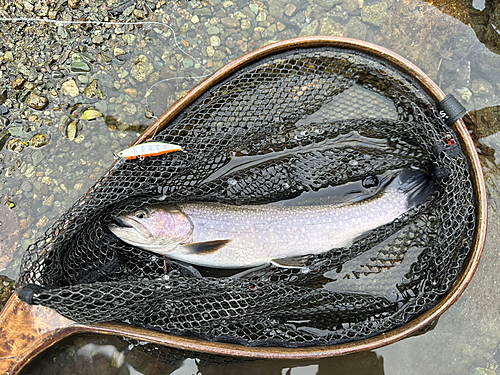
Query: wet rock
point(4, 122)
point(97, 39)
point(15, 145)
point(464, 93)
point(91, 90)
point(80, 67)
point(42, 222)
point(26, 186)
point(36, 101)
point(142, 69)
point(483, 371)
point(188, 63)
point(328, 4)
point(21, 98)
point(212, 30)
point(74, 4)
point(357, 29)
point(117, 51)
point(310, 29)
point(37, 157)
point(39, 140)
point(131, 92)
point(350, 6)
point(70, 88)
point(130, 109)
point(10, 232)
point(245, 24)
point(139, 14)
point(374, 14)
point(18, 83)
point(71, 130)
point(290, 9)
point(3, 95)
point(230, 22)
point(329, 27)
point(49, 201)
point(91, 114)
point(482, 87)
point(215, 41)
point(8, 56)
point(254, 8)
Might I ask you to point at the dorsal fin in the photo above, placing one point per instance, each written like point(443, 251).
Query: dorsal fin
point(206, 247)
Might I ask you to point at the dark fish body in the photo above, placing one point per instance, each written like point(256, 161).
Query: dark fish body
point(230, 236)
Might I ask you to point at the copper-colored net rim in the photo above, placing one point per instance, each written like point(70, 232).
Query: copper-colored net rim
point(389, 337)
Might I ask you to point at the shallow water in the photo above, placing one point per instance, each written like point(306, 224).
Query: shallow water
point(44, 182)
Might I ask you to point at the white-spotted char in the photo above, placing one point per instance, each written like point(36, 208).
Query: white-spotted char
point(231, 236)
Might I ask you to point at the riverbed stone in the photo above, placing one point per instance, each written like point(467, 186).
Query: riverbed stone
point(374, 14)
point(36, 101)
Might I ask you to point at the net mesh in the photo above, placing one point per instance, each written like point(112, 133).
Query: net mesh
point(291, 125)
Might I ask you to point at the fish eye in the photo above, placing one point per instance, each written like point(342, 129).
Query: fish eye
point(141, 214)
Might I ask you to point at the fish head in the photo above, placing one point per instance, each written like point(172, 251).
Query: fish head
point(159, 228)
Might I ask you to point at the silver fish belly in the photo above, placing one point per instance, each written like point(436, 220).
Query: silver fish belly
point(260, 234)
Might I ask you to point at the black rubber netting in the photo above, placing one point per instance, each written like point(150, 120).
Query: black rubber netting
point(288, 126)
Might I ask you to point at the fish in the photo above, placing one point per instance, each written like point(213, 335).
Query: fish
point(220, 235)
point(148, 149)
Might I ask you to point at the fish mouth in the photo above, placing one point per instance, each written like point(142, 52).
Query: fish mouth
point(125, 227)
point(120, 222)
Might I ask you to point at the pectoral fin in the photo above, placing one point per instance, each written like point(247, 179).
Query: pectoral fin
point(206, 247)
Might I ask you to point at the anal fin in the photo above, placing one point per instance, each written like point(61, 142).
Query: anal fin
point(205, 247)
point(291, 262)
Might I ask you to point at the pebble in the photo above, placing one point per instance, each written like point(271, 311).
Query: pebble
point(91, 114)
point(74, 4)
point(39, 140)
point(70, 88)
point(37, 157)
point(15, 145)
point(212, 30)
point(26, 186)
point(36, 101)
point(482, 87)
point(142, 69)
point(210, 51)
point(30, 171)
point(214, 41)
point(49, 201)
point(80, 67)
point(254, 8)
point(46, 180)
point(230, 22)
point(290, 9)
point(18, 82)
point(310, 29)
point(78, 186)
point(91, 90)
point(131, 92)
point(71, 130)
point(8, 56)
point(245, 24)
point(3, 95)
point(42, 222)
point(4, 122)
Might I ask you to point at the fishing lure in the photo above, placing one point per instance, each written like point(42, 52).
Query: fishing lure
point(144, 150)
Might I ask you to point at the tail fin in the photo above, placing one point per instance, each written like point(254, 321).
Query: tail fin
point(417, 186)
